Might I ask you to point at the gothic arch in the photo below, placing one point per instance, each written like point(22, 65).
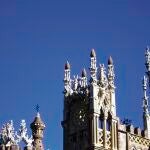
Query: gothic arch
point(101, 119)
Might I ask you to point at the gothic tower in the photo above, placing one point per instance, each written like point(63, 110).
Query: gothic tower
point(90, 121)
point(37, 127)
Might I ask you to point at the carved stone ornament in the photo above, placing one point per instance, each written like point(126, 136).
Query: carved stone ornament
point(23, 134)
point(9, 137)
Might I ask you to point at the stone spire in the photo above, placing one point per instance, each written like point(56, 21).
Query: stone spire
point(146, 113)
point(93, 68)
point(145, 97)
point(37, 127)
point(67, 80)
point(83, 78)
point(67, 72)
point(111, 84)
point(102, 76)
point(110, 61)
point(111, 74)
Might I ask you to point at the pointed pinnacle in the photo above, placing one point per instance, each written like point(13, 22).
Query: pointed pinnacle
point(67, 66)
point(83, 73)
point(92, 54)
point(110, 61)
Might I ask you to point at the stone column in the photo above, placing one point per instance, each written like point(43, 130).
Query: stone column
point(112, 135)
point(104, 130)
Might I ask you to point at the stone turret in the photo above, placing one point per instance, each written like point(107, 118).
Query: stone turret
point(37, 127)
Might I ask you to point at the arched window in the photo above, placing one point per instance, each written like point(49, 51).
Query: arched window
point(101, 119)
point(108, 124)
point(101, 122)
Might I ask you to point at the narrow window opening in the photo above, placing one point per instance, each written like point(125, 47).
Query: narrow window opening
point(101, 123)
point(108, 125)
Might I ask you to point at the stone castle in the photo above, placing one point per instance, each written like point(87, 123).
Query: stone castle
point(89, 116)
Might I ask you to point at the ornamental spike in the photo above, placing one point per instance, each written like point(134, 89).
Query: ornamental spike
point(93, 67)
point(23, 136)
point(67, 72)
point(111, 74)
point(67, 66)
point(102, 75)
point(75, 83)
point(84, 78)
point(84, 74)
point(110, 61)
point(92, 54)
point(67, 80)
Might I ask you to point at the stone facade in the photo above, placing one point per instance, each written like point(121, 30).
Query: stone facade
point(89, 118)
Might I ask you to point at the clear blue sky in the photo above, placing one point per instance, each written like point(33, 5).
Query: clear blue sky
point(38, 36)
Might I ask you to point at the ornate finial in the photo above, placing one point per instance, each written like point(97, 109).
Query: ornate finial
point(110, 61)
point(67, 73)
point(83, 78)
point(92, 54)
point(67, 66)
point(23, 136)
point(93, 68)
point(144, 83)
point(83, 73)
point(75, 83)
point(111, 74)
point(67, 81)
point(103, 79)
point(7, 135)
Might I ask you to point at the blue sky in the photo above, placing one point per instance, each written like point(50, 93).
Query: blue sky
point(38, 36)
